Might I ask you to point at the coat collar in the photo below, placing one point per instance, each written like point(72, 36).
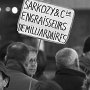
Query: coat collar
point(66, 71)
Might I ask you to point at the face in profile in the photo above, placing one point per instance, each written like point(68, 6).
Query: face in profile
point(3, 81)
point(31, 63)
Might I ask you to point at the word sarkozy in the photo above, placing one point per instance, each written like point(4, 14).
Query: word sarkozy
point(46, 9)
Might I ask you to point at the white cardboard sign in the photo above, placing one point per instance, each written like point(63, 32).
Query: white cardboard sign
point(45, 21)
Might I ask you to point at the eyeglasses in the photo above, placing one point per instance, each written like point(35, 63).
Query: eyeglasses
point(32, 60)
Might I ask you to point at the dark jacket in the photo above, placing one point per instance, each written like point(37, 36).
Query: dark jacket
point(3, 68)
point(18, 79)
point(69, 79)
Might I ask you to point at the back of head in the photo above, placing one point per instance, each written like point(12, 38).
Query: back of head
point(47, 85)
point(17, 51)
point(86, 47)
point(66, 57)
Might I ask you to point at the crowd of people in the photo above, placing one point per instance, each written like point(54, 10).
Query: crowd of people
point(22, 67)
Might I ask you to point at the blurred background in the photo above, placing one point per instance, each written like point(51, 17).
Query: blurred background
point(9, 14)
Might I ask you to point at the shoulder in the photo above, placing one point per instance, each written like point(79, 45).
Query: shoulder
point(15, 75)
point(20, 81)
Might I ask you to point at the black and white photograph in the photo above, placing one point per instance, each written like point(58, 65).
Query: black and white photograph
point(44, 44)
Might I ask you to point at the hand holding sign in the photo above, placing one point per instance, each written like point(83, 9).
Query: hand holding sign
point(45, 21)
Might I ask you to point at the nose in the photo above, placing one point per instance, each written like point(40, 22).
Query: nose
point(33, 65)
point(34, 62)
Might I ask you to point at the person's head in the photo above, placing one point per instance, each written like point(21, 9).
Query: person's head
point(47, 85)
point(23, 54)
point(17, 51)
point(67, 57)
point(31, 61)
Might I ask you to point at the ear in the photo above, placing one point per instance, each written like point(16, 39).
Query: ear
point(77, 63)
point(5, 82)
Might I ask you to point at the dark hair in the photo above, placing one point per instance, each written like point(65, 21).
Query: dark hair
point(47, 85)
point(17, 51)
point(42, 62)
point(86, 47)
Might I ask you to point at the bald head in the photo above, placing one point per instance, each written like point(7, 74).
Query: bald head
point(66, 57)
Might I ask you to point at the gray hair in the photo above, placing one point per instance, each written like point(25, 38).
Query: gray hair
point(66, 57)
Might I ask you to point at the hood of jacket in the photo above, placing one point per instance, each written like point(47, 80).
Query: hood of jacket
point(15, 65)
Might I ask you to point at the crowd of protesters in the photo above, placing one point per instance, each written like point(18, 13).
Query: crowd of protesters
point(22, 67)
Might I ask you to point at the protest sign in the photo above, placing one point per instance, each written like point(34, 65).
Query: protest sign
point(45, 21)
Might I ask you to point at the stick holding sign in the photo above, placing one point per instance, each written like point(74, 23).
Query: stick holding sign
point(45, 21)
